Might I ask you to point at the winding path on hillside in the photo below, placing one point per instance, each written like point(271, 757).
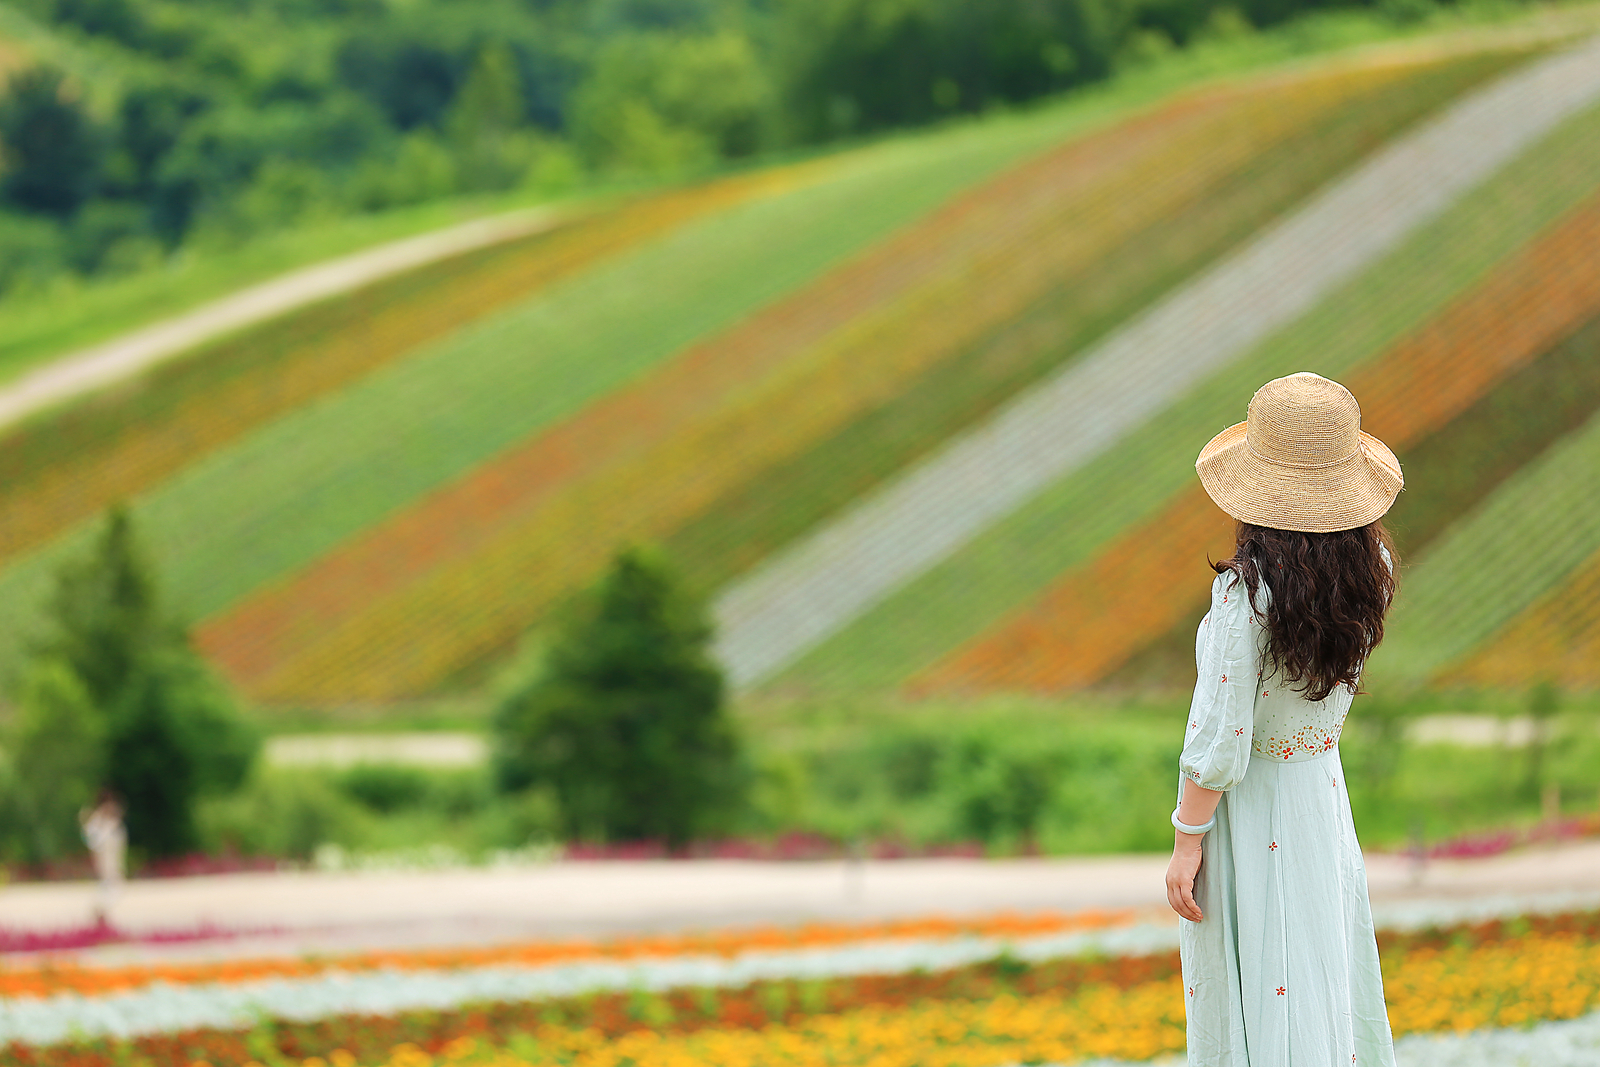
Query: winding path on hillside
point(133, 353)
point(804, 595)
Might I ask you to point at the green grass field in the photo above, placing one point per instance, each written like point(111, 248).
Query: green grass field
point(1063, 526)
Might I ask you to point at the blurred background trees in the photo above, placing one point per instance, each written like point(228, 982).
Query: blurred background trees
point(115, 696)
point(212, 123)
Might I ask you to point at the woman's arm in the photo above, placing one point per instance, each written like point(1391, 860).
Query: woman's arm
point(1196, 809)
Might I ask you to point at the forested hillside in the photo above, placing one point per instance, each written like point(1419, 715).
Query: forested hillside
point(132, 128)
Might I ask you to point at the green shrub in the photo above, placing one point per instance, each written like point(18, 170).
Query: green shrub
point(626, 721)
point(58, 762)
point(385, 787)
point(283, 813)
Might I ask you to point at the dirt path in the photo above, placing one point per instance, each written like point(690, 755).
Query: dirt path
point(128, 355)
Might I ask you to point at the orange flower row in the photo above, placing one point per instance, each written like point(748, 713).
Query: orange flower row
point(1076, 633)
point(468, 569)
point(57, 976)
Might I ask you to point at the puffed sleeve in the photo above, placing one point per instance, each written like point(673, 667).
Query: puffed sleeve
point(1216, 748)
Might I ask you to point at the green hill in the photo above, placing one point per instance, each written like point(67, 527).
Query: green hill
point(379, 497)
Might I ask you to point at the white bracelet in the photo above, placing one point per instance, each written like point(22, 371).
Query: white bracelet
point(1185, 828)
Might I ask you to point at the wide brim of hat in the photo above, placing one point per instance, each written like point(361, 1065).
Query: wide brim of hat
point(1343, 496)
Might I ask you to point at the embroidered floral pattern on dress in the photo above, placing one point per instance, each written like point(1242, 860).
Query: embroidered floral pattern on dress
point(1281, 991)
point(1310, 740)
point(1272, 847)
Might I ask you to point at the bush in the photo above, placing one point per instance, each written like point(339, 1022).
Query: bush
point(385, 787)
point(52, 150)
point(58, 761)
point(1008, 780)
point(660, 102)
point(626, 722)
point(282, 813)
point(31, 251)
point(867, 64)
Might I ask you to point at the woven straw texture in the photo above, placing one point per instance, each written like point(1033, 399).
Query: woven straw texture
point(1301, 462)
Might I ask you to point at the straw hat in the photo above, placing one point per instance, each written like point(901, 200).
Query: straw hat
point(1301, 461)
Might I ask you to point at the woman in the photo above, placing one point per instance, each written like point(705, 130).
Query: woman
point(1280, 965)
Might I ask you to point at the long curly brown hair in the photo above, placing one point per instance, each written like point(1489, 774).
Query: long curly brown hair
point(1328, 594)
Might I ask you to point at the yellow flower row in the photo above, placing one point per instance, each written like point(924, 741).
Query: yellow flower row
point(1132, 1024)
point(1510, 983)
point(1504, 984)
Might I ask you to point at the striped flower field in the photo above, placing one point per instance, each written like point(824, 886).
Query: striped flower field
point(651, 457)
point(1002, 570)
point(990, 991)
point(1074, 635)
point(63, 470)
point(287, 490)
point(905, 411)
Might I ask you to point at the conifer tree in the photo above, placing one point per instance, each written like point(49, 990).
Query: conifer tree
point(170, 729)
point(627, 720)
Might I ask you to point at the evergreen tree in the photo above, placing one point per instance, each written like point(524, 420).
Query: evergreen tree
point(627, 720)
point(485, 124)
point(104, 612)
point(171, 732)
point(50, 150)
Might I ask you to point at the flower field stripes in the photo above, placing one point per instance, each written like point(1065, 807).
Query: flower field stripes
point(1057, 1000)
point(55, 976)
point(1076, 633)
point(1515, 547)
point(161, 1008)
point(640, 461)
point(248, 513)
point(64, 469)
point(1556, 639)
point(1074, 518)
point(816, 588)
point(783, 501)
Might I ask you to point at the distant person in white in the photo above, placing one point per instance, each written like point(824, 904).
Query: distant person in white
point(107, 839)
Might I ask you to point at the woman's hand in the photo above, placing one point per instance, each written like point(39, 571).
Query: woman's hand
point(1181, 874)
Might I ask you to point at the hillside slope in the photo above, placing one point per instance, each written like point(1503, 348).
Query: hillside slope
point(905, 409)
point(1066, 524)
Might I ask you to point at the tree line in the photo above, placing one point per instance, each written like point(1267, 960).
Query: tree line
point(212, 121)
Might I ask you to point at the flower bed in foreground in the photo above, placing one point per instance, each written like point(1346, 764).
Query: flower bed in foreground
point(1505, 973)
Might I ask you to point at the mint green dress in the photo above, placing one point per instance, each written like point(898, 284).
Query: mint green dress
point(1283, 970)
